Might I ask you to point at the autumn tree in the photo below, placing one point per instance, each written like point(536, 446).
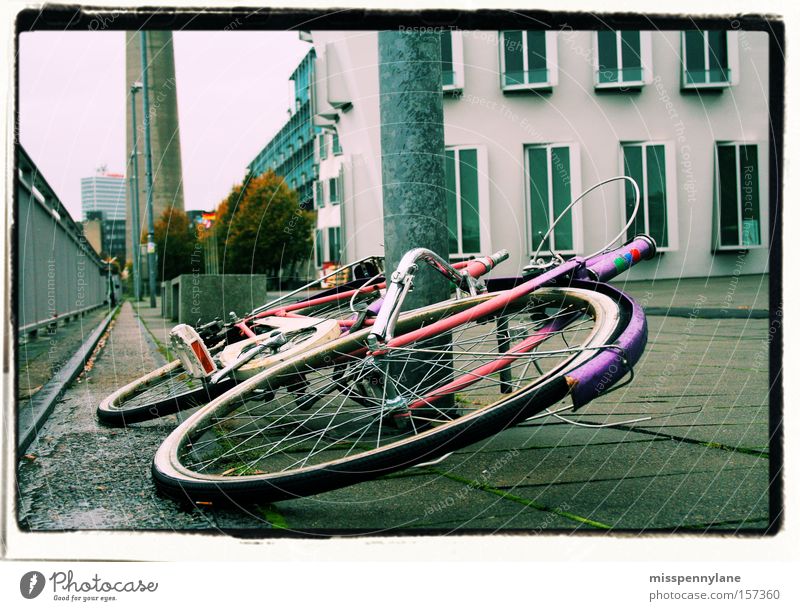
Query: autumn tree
point(178, 249)
point(262, 227)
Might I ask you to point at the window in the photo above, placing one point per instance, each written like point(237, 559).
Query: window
point(337, 148)
point(333, 190)
point(334, 245)
point(622, 59)
point(652, 166)
point(319, 248)
point(319, 194)
point(738, 206)
point(550, 169)
point(322, 146)
point(452, 60)
point(527, 60)
point(467, 198)
point(709, 59)
point(293, 184)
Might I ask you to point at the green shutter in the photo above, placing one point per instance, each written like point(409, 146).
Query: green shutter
point(539, 194)
point(451, 198)
point(717, 56)
point(695, 51)
point(562, 195)
point(333, 244)
point(470, 211)
point(607, 57)
point(537, 57)
point(323, 147)
point(748, 184)
point(512, 52)
point(448, 75)
point(728, 196)
point(631, 55)
point(657, 194)
point(333, 190)
point(319, 248)
point(632, 159)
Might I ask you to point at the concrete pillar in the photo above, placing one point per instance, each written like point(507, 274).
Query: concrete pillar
point(413, 171)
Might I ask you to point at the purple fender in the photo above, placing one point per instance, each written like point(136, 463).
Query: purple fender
point(593, 378)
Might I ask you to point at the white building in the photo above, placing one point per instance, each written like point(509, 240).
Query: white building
point(533, 118)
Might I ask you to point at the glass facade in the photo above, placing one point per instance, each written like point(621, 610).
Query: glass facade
point(290, 153)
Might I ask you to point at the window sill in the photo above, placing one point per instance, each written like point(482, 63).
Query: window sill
point(665, 249)
point(706, 86)
point(625, 85)
point(526, 87)
point(453, 90)
point(733, 249)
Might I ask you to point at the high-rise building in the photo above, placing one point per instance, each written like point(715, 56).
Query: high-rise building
point(533, 118)
point(103, 198)
point(164, 128)
point(290, 153)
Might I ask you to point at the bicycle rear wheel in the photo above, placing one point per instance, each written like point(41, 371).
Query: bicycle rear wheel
point(161, 392)
point(323, 420)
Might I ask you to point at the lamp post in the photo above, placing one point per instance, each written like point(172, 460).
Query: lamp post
point(148, 169)
point(136, 230)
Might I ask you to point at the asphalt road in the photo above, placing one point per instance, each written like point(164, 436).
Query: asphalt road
point(700, 463)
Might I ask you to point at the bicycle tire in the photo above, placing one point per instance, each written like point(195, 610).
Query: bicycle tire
point(175, 476)
point(132, 403)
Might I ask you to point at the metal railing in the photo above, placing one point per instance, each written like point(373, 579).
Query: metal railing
point(57, 274)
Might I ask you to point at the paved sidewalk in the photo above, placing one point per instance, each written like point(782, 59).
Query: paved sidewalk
point(700, 463)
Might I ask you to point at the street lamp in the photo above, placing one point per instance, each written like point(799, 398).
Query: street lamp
point(136, 239)
point(148, 168)
point(112, 301)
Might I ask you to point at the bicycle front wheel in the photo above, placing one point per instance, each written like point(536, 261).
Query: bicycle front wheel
point(335, 417)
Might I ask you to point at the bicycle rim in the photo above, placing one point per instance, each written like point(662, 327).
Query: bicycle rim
point(164, 391)
point(323, 420)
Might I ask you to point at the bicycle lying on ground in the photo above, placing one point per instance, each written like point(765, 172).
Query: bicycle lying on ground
point(399, 390)
point(175, 386)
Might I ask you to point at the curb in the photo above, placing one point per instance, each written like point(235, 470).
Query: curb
point(43, 402)
point(688, 312)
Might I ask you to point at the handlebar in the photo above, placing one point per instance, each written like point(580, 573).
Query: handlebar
point(402, 278)
point(606, 265)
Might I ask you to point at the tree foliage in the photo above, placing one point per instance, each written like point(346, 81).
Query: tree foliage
point(261, 228)
point(178, 248)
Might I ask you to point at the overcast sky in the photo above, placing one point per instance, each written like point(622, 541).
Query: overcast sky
point(233, 94)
